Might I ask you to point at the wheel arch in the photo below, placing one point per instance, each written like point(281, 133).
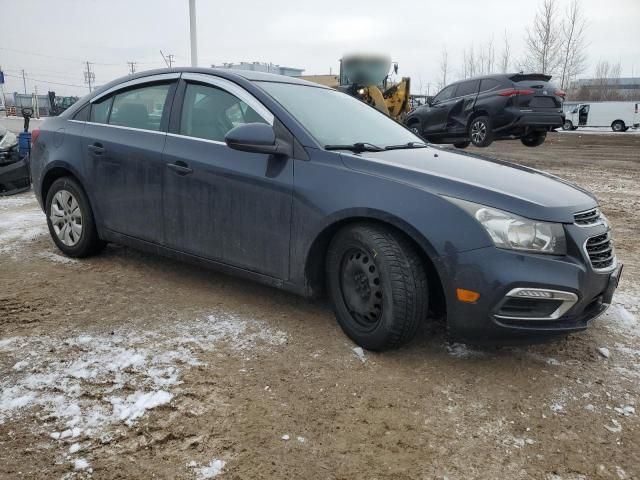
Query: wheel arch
point(477, 113)
point(316, 255)
point(61, 169)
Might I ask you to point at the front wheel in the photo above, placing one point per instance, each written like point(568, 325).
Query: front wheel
point(480, 132)
point(377, 285)
point(567, 125)
point(534, 139)
point(70, 219)
point(462, 144)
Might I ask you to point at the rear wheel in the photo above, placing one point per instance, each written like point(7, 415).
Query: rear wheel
point(534, 139)
point(462, 144)
point(480, 132)
point(377, 284)
point(568, 125)
point(618, 126)
point(70, 219)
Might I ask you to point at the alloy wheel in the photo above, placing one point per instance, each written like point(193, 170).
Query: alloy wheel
point(478, 132)
point(361, 288)
point(66, 218)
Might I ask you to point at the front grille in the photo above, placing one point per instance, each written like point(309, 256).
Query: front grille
point(600, 251)
point(588, 218)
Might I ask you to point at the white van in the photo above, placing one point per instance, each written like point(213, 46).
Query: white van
point(620, 116)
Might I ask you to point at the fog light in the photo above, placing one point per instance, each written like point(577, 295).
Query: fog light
point(467, 296)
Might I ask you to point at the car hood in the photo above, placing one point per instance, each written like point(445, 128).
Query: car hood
point(514, 188)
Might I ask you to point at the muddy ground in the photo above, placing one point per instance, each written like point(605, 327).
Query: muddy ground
point(128, 365)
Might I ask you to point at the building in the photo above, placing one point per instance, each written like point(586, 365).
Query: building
point(262, 67)
point(606, 89)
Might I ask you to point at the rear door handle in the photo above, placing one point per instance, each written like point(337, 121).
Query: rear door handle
point(180, 168)
point(96, 148)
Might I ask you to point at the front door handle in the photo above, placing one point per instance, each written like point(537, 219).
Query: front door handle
point(96, 148)
point(180, 168)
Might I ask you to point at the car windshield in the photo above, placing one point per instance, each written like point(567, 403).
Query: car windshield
point(335, 118)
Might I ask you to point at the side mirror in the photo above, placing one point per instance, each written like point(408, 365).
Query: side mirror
point(575, 110)
point(252, 137)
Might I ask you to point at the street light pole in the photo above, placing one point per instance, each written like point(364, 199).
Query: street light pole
point(192, 28)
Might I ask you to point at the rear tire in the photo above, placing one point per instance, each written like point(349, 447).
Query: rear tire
point(568, 125)
point(534, 139)
point(377, 284)
point(618, 126)
point(462, 144)
point(480, 132)
point(415, 128)
point(70, 219)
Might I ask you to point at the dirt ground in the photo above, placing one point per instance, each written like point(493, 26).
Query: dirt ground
point(127, 365)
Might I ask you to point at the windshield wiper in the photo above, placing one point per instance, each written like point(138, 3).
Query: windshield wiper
point(406, 145)
point(356, 147)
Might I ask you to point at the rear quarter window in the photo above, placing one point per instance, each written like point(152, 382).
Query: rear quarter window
point(488, 84)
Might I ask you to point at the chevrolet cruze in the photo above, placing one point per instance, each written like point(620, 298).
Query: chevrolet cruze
point(307, 189)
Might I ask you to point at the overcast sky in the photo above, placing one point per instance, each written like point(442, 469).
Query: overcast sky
point(310, 35)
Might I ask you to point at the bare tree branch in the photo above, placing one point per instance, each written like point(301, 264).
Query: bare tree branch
point(544, 41)
point(573, 36)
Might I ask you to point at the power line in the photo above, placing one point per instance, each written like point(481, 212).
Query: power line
point(53, 56)
point(44, 81)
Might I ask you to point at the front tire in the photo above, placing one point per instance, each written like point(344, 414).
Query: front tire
point(567, 125)
point(480, 132)
point(462, 144)
point(70, 219)
point(415, 128)
point(534, 139)
point(618, 126)
point(377, 285)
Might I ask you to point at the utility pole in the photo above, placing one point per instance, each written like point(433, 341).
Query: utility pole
point(24, 82)
point(192, 30)
point(132, 67)
point(35, 98)
point(168, 59)
point(89, 76)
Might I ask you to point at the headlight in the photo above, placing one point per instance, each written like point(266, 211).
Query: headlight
point(8, 141)
point(511, 231)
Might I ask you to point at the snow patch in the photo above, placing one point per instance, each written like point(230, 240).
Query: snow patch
point(20, 226)
point(57, 258)
point(214, 469)
point(460, 350)
point(359, 353)
point(90, 384)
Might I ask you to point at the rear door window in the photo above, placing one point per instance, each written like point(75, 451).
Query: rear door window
point(140, 108)
point(210, 112)
point(467, 88)
point(488, 84)
point(445, 94)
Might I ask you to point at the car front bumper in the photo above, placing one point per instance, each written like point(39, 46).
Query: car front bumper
point(495, 273)
point(15, 177)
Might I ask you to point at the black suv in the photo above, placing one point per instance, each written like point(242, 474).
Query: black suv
point(481, 110)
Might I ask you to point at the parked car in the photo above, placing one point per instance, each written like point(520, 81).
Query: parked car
point(620, 116)
point(14, 170)
point(307, 189)
point(494, 107)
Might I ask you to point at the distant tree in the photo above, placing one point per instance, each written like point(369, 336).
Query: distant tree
point(544, 41)
point(505, 60)
point(444, 67)
point(606, 80)
point(574, 60)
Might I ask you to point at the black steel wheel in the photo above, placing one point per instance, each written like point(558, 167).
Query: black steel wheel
point(618, 126)
point(377, 284)
point(567, 125)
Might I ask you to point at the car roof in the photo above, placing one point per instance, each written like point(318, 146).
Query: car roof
point(230, 74)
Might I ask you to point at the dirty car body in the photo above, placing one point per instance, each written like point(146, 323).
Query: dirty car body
point(14, 169)
point(265, 195)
